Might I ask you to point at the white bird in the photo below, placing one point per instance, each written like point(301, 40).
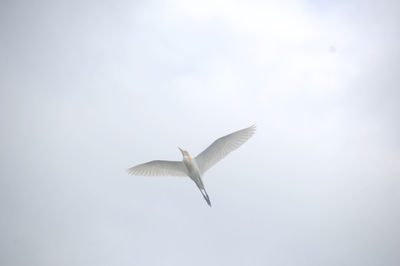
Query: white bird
point(196, 167)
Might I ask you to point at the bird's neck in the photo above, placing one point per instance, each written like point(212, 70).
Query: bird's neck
point(187, 158)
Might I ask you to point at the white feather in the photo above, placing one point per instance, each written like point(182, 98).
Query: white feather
point(222, 147)
point(159, 168)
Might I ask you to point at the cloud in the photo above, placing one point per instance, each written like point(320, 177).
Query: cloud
point(88, 89)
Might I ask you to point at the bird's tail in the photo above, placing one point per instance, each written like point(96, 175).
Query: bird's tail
point(205, 195)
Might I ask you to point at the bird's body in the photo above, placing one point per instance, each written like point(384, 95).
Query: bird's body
point(196, 167)
point(195, 174)
point(193, 170)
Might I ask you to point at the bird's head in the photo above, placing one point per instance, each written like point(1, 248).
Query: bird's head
point(184, 152)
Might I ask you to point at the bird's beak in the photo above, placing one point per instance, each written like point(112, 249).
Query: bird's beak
point(182, 151)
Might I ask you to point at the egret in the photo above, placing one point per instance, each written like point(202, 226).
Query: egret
point(197, 166)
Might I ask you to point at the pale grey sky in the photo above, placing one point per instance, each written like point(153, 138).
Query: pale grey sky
point(90, 88)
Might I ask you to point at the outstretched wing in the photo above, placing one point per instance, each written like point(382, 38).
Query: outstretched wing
point(222, 147)
point(159, 168)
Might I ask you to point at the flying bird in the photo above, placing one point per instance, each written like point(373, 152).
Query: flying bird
point(197, 166)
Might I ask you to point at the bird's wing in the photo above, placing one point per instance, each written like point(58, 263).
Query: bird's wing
point(159, 168)
point(222, 147)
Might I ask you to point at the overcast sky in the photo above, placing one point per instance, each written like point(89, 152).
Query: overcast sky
point(90, 88)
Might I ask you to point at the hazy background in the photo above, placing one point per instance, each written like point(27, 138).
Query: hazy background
point(90, 88)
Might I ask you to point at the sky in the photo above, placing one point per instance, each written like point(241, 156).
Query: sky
point(91, 88)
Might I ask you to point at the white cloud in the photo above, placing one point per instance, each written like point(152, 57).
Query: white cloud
point(120, 84)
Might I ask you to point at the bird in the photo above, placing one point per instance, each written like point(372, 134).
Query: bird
point(195, 167)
